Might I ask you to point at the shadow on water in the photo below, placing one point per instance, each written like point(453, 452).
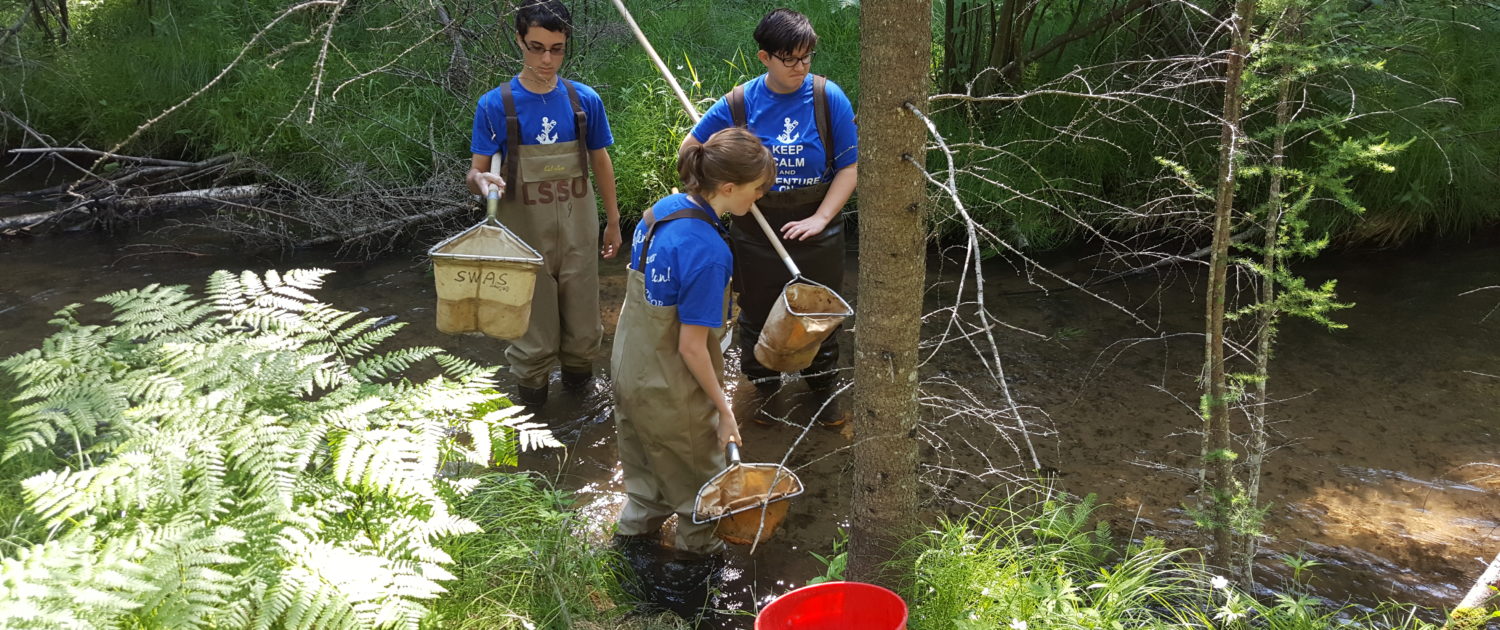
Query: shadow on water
point(660, 579)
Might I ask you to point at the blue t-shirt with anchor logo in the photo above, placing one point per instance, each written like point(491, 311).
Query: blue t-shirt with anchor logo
point(688, 264)
point(545, 118)
point(785, 123)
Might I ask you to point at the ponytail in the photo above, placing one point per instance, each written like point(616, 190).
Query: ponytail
point(690, 168)
point(730, 156)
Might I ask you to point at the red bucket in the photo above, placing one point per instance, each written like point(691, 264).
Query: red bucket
point(835, 606)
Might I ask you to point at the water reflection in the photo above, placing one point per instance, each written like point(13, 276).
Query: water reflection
point(1380, 418)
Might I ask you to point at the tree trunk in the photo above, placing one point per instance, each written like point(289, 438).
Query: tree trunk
point(949, 77)
point(64, 23)
point(891, 237)
point(1221, 486)
point(456, 80)
point(1269, 314)
point(40, 18)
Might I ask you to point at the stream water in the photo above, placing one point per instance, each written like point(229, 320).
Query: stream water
point(1386, 467)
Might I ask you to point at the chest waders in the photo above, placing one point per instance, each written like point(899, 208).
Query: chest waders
point(759, 275)
point(549, 203)
point(666, 425)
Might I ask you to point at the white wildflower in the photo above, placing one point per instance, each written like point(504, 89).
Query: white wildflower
point(1017, 624)
point(1219, 582)
point(1228, 616)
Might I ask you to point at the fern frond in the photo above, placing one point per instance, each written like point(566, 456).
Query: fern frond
point(532, 435)
point(59, 496)
point(388, 461)
point(243, 460)
point(382, 365)
point(64, 583)
point(462, 369)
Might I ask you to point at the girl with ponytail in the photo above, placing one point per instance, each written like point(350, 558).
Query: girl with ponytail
point(672, 418)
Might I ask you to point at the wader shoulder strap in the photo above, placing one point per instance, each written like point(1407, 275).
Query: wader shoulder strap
point(652, 223)
point(512, 141)
point(820, 116)
point(580, 126)
point(736, 103)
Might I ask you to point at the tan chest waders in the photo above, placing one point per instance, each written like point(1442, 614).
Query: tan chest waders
point(667, 425)
point(549, 203)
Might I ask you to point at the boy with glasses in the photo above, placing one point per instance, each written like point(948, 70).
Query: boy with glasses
point(549, 133)
point(808, 124)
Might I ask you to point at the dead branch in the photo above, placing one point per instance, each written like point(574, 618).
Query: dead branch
point(105, 155)
point(387, 227)
point(150, 203)
point(333, 20)
point(459, 73)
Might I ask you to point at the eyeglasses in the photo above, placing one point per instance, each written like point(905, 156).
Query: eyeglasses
point(791, 62)
point(537, 49)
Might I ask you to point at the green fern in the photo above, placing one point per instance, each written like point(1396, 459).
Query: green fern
point(242, 460)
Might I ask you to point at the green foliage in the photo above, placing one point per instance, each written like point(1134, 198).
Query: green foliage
point(534, 567)
point(835, 563)
point(1043, 566)
point(129, 62)
point(1059, 166)
point(390, 109)
point(235, 461)
point(384, 107)
point(1301, 567)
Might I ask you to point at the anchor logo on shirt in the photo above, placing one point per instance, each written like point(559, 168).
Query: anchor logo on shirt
point(786, 136)
point(547, 126)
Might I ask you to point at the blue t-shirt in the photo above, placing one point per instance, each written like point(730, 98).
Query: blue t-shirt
point(545, 118)
point(688, 265)
point(785, 123)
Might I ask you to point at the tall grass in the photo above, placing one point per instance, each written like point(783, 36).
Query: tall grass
point(404, 123)
point(1446, 180)
point(397, 127)
point(533, 566)
point(1049, 565)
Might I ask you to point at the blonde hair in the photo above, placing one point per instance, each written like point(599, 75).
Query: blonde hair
point(730, 156)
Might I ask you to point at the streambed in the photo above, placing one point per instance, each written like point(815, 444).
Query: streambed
point(1387, 430)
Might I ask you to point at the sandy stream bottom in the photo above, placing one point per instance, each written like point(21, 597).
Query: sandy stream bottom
point(1386, 470)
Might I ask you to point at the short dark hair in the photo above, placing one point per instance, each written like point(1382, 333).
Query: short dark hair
point(785, 31)
point(548, 14)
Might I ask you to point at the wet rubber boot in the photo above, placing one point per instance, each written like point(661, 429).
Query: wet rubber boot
point(532, 396)
point(576, 381)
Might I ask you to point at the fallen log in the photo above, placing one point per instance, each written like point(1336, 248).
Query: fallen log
point(148, 203)
point(1470, 614)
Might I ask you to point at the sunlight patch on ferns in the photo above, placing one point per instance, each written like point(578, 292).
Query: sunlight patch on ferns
point(244, 460)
